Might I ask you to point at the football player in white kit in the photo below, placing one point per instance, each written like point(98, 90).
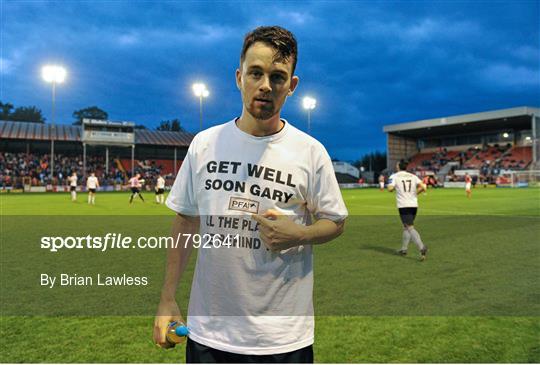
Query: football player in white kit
point(92, 183)
point(407, 187)
point(73, 186)
point(160, 190)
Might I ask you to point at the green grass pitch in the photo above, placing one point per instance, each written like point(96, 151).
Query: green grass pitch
point(475, 299)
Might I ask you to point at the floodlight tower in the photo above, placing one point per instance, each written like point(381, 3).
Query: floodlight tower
point(309, 104)
point(201, 92)
point(55, 75)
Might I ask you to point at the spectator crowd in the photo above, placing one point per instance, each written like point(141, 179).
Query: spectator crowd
point(19, 169)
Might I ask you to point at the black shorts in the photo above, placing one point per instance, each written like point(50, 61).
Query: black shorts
point(198, 353)
point(134, 190)
point(72, 188)
point(407, 215)
point(93, 191)
point(160, 191)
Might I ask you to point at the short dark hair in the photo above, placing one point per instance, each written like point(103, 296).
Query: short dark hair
point(276, 37)
point(402, 165)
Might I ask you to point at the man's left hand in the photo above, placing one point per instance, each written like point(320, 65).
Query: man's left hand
point(279, 232)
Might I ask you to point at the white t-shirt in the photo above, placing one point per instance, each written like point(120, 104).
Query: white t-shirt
point(405, 185)
point(160, 183)
point(72, 180)
point(92, 182)
point(246, 299)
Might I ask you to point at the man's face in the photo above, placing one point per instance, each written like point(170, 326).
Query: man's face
point(264, 84)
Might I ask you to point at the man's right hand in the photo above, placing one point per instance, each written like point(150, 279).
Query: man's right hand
point(167, 312)
point(177, 260)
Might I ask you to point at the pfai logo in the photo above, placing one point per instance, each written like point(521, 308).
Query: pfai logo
point(244, 205)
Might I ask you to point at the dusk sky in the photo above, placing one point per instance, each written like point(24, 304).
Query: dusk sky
point(368, 64)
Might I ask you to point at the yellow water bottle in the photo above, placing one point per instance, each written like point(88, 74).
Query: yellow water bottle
point(176, 333)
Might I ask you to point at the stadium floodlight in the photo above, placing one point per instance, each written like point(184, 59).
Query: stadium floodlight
point(309, 104)
point(505, 135)
point(200, 91)
point(53, 74)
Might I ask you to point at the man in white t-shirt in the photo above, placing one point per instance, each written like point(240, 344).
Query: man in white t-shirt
point(92, 183)
point(269, 192)
point(407, 187)
point(73, 186)
point(160, 190)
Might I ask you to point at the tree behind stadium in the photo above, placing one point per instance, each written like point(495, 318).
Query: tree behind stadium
point(170, 125)
point(91, 112)
point(21, 114)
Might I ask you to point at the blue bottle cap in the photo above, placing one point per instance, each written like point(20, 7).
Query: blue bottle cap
point(182, 331)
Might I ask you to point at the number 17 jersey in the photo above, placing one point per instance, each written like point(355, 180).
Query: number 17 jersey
point(405, 185)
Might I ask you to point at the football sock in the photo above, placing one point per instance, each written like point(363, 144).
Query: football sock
point(405, 240)
point(89, 199)
point(416, 238)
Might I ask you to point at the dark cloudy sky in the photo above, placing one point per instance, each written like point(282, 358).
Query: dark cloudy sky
point(367, 63)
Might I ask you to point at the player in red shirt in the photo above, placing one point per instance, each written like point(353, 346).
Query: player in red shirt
point(468, 183)
point(381, 182)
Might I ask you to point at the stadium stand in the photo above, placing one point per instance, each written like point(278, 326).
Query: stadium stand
point(25, 150)
point(17, 169)
point(71, 133)
point(346, 178)
point(165, 166)
point(345, 172)
point(488, 154)
point(432, 161)
point(518, 158)
point(420, 161)
point(473, 158)
point(484, 144)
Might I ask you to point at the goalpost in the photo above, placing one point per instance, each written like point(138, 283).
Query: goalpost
point(520, 179)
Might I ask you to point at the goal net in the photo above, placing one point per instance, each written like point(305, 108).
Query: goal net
point(519, 179)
